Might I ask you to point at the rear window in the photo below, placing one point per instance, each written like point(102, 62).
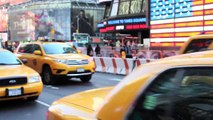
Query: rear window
point(199, 45)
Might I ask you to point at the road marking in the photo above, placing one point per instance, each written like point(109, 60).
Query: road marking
point(116, 79)
point(50, 86)
point(55, 88)
point(43, 103)
point(113, 79)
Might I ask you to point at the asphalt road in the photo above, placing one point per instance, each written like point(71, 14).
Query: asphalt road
point(24, 110)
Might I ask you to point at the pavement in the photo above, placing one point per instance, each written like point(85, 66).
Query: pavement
point(24, 110)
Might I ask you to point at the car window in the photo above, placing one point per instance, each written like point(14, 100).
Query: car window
point(177, 94)
point(7, 58)
point(199, 45)
point(28, 48)
point(25, 48)
point(54, 48)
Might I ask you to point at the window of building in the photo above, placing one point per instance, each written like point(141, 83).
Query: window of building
point(136, 6)
point(114, 8)
point(124, 7)
point(144, 6)
point(107, 11)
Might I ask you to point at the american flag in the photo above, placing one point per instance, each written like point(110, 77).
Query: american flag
point(176, 20)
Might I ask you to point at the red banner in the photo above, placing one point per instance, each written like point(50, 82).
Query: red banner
point(3, 2)
point(12, 2)
point(3, 20)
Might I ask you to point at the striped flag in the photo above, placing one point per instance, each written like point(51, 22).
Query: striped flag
point(176, 20)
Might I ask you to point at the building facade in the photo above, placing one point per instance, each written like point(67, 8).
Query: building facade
point(126, 17)
point(52, 19)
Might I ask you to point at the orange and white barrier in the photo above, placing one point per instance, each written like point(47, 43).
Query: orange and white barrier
point(118, 65)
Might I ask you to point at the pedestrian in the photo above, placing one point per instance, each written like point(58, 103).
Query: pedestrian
point(98, 50)
point(127, 49)
point(89, 50)
point(8, 47)
point(118, 43)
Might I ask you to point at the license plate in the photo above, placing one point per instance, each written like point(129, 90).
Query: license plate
point(80, 70)
point(14, 92)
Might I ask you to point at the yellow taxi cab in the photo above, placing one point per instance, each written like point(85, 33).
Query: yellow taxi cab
point(197, 43)
point(17, 81)
point(172, 89)
point(56, 59)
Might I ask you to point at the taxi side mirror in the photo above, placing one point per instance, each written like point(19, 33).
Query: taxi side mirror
point(79, 51)
point(37, 52)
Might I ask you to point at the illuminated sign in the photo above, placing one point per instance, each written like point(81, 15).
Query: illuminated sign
point(100, 25)
point(127, 21)
point(137, 26)
point(120, 27)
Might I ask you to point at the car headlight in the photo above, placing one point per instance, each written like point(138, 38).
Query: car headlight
point(34, 78)
point(61, 61)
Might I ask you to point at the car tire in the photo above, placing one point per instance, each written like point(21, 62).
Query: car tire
point(86, 78)
point(47, 76)
point(32, 98)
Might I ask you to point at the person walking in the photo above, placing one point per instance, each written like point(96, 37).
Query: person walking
point(89, 50)
point(127, 49)
point(98, 51)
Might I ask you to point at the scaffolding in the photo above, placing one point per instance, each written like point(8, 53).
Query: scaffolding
point(54, 4)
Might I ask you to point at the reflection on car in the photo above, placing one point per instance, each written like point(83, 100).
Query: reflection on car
point(174, 88)
point(17, 81)
point(55, 60)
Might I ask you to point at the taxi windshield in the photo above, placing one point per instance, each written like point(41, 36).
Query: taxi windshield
point(7, 58)
point(53, 48)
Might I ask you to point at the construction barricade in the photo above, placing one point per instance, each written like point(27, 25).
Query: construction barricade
point(118, 65)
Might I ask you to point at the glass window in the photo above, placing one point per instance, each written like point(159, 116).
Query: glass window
point(144, 6)
point(199, 45)
point(26, 48)
point(29, 48)
point(114, 8)
point(107, 11)
point(135, 6)
point(53, 48)
point(124, 7)
point(177, 94)
point(8, 58)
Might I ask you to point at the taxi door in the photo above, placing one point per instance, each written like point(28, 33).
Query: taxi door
point(37, 60)
point(25, 52)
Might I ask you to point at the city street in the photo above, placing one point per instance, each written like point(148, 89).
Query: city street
point(23, 110)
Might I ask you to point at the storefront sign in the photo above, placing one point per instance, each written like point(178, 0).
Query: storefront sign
point(127, 21)
point(120, 27)
point(100, 25)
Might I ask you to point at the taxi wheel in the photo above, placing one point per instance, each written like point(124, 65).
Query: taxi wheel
point(86, 78)
point(33, 98)
point(47, 76)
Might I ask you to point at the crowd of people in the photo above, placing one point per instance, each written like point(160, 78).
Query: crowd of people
point(124, 49)
point(8, 45)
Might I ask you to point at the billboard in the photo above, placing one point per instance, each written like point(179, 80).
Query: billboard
point(176, 20)
point(3, 20)
point(86, 20)
point(47, 23)
point(21, 26)
point(12, 2)
point(53, 23)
